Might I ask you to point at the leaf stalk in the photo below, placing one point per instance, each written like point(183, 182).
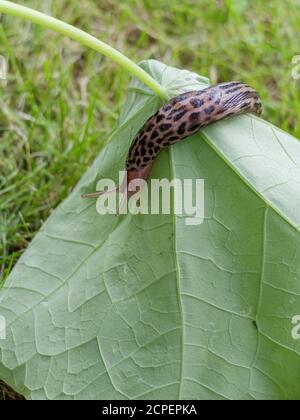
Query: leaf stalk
point(83, 38)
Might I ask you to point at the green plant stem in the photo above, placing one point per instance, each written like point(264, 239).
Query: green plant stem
point(83, 38)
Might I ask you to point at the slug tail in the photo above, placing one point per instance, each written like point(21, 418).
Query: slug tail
point(98, 194)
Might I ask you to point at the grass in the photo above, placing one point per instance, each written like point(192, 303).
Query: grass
point(62, 100)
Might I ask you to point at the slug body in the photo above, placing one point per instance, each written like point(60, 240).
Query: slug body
point(181, 117)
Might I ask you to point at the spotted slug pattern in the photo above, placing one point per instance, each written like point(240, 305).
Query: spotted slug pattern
point(186, 114)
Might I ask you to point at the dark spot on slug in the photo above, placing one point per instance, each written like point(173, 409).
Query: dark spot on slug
point(146, 159)
point(179, 115)
point(138, 162)
point(225, 86)
point(196, 103)
point(175, 110)
point(209, 110)
point(149, 128)
point(167, 107)
point(165, 127)
point(154, 135)
point(173, 138)
point(181, 128)
point(131, 149)
point(179, 98)
point(157, 149)
point(159, 118)
point(169, 117)
point(232, 90)
point(194, 116)
point(258, 108)
point(194, 127)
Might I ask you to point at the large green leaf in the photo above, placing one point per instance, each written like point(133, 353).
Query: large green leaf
point(145, 307)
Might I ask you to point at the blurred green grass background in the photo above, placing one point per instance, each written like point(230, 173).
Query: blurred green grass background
point(62, 100)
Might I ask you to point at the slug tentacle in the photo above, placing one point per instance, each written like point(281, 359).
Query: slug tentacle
point(181, 117)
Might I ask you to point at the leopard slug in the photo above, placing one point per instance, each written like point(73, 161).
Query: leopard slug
point(181, 117)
